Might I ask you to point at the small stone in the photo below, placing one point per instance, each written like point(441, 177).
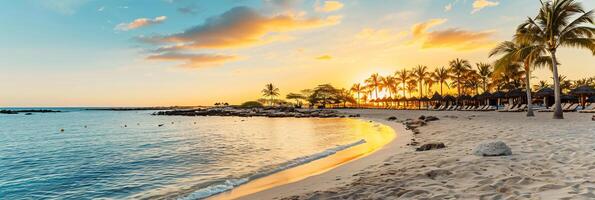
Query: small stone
point(492, 148)
point(437, 173)
point(431, 146)
point(391, 118)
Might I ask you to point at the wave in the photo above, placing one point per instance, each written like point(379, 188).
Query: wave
point(232, 183)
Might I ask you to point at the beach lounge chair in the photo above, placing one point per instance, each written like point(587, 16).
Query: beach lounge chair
point(491, 108)
point(506, 108)
point(589, 108)
point(551, 109)
point(520, 108)
point(571, 108)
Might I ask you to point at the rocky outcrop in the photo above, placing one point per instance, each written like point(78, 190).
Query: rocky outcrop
point(284, 112)
point(27, 111)
point(492, 148)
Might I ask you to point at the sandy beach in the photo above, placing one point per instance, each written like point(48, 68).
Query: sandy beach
point(552, 159)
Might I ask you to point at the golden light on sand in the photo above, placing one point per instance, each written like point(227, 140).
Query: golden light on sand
point(375, 135)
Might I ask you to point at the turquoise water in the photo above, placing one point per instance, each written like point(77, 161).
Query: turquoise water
point(126, 154)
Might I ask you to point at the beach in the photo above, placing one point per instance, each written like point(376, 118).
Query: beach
point(551, 159)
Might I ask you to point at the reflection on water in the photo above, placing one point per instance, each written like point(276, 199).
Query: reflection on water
point(106, 154)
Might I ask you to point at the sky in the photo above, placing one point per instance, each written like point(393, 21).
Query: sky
point(197, 52)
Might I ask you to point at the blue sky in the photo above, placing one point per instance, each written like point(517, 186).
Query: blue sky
point(88, 52)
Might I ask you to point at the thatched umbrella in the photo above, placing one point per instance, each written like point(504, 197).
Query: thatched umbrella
point(516, 93)
point(436, 97)
point(499, 95)
point(485, 96)
point(424, 99)
point(449, 98)
point(566, 97)
point(582, 92)
point(545, 93)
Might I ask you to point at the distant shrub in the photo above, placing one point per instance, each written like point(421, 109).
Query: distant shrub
point(251, 104)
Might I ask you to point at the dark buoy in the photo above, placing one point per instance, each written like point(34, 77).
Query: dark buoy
point(160, 125)
point(85, 126)
point(62, 130)
point(125, 125)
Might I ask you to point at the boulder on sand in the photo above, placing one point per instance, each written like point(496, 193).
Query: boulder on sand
point(492, 148)
point(431, 146)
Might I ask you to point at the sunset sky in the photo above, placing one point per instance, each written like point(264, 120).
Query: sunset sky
point(197, 52)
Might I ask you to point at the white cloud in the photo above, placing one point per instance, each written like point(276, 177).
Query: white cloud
point(328, 6)
point(480, 4)
point(448, 7)
point(140, 22)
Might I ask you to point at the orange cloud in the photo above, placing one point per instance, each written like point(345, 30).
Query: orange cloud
point(480, 4)
point(193, 60)
point(324, 57)
point(239, 27)
point(419, 29)
point(453, 38)
point(328, 6)
point(140, 22)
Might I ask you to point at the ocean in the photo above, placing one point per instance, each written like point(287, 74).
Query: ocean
point(135, 155)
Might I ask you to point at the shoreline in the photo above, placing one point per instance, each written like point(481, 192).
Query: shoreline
point(322, 172)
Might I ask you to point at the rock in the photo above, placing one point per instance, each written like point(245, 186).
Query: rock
point(437, 173)
point(422, 117)
point(431, 118)
point(391, 118)
point(431, 146)
point(492, 148)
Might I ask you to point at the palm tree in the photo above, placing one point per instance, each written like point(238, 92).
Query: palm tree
point(402, 77)
point(525, 54)
point(541, 85)
point(358, 89)
point(420, 72)
point(556, 26)
point(458, 68)
point(374, 82)
point(270, 91)
point(472, 81)
point(441, 75)
point(387, 83)
point(297, 97)
point(429, 83)
point(485, 72)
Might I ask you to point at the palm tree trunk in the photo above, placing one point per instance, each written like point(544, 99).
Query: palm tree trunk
point(529, 102)
point(421, 89)
point(558, 114)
